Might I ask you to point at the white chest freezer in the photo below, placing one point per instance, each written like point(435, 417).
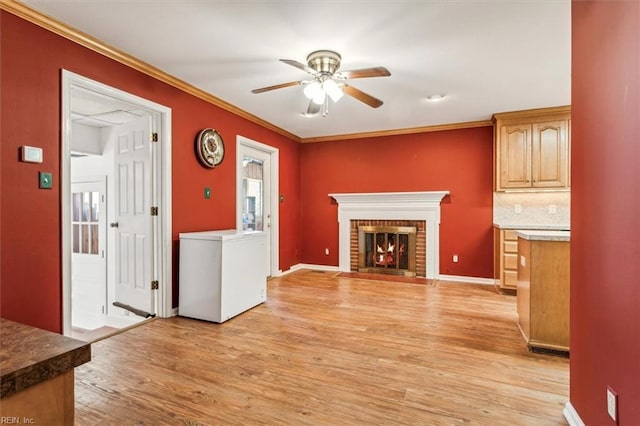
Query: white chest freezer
point(222, 273)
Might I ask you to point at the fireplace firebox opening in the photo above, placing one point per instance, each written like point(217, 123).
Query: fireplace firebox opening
point(387, 250)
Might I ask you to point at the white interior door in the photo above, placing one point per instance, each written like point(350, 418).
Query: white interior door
point(88, 247)
point(257, 189)
point(132, 222)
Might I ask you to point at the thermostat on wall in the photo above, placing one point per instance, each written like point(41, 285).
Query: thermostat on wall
point(31, 154)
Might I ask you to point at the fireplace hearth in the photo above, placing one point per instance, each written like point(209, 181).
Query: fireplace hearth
point(387, 250)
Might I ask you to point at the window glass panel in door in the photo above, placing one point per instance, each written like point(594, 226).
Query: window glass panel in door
point(94, 239)
point(85, 238)
point(77, 201)
point(86, 205)
point(95, 206)
point(252, 194)
point(76, 238)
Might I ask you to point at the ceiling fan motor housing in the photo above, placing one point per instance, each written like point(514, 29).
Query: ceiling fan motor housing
point(325, 62)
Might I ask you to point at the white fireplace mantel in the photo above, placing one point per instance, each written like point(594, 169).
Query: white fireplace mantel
point(391, 206)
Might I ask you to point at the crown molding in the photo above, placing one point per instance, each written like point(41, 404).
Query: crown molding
point(545, 113)
point(31, 15)
point(395, 132)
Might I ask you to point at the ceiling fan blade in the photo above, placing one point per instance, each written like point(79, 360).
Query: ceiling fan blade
point(313, 108)
point(277, 86)
point(364, 73)
point(361, 96)
point(299, 65)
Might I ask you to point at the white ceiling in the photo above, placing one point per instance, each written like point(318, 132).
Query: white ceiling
point(95, 110)
point(485, 56)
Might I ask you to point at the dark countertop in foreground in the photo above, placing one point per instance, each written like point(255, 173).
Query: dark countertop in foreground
point(29, 356)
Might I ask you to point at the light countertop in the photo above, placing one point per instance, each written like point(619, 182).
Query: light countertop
point(544, 235)
point(532, 227)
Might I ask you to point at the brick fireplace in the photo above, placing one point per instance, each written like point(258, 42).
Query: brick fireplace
point(420, 209)
point(388, 246)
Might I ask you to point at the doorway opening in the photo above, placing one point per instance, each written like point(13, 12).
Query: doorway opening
point(116, 254)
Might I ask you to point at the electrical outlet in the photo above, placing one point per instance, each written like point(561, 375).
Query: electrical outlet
point(612, 404)
point(517, 208)
point(455, 258)
point(326, 252)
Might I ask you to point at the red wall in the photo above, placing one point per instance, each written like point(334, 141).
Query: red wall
point(31, 63)
point(459, 161)
point(605, 210)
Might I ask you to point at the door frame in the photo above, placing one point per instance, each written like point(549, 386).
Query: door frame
point(160, 193)
point(241, 143)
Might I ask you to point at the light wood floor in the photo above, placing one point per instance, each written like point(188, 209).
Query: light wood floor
point(329, 350)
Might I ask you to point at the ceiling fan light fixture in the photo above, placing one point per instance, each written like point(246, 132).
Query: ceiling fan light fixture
point(319, 97)
point(312, 90)
point(332, 89)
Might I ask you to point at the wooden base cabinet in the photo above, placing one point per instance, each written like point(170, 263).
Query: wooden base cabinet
point(543, 294)
point(506, 260)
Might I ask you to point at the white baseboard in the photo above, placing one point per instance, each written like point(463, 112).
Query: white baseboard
point(174, 312)
point(446, 278)
point(463, 279)
point(571, 415)
point(300, 266)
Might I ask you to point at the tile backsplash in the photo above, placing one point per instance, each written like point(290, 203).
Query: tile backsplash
point(532, 208)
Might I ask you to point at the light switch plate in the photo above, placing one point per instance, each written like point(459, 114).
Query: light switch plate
point(46, 180)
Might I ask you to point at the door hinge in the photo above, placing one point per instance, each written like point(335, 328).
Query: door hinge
point(154, 211)
point(154, 137)
point(155, 285)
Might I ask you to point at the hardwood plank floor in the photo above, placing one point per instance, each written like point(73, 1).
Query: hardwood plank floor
point(328, 350)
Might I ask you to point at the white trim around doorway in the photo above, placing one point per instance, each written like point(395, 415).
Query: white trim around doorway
point(161, 193)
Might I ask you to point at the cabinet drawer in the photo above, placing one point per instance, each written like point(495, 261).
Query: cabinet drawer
point(510, 235)
point(511, 247)
point(511, 261)
point(511, 279)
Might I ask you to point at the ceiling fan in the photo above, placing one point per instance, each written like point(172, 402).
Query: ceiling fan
point(327, 82)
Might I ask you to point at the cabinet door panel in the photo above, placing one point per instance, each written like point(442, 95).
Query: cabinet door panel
point(510, 246)
point(511, 261)
point(515, 156)
point(510, 279)
point(549, 154)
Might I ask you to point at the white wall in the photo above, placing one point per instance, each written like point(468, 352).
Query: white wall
point(86, 139)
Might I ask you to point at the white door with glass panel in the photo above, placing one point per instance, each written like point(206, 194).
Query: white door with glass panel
point(88, 245)
point(256, 195)
point(132, 224)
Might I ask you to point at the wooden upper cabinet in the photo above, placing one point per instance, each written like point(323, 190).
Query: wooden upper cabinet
point(532, 149)
point(515, 154)
point(550, 154)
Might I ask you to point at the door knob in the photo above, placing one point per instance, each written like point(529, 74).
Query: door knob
point(114, 224)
